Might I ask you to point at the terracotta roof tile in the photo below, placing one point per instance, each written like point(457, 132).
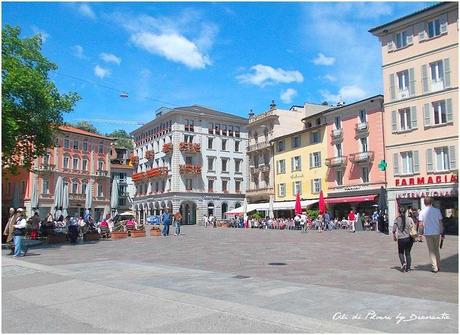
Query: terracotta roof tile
point(82, 132)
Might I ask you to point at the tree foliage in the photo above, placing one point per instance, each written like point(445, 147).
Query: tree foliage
point(85, 125)
point(32, 107)
point(123, 139)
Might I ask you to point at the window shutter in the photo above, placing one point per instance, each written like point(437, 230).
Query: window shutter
point(416, 161)
point(426, 115)
point(446, 66)
point(452, 160)
point(449, 110)
point(300, 163)
point(311, 160)
point(319, 159)
point(396, 164)
point(394, 121)
point(413, 117)
point(293, 188)
point(312, 185)
point(390, 45)
point(392, 87)
point(443, 21)
point(426, 88)
point(421, 32)
point(311, 138)
point(429, 160)
point(409, 38)
point(292, 164)
point(411, 82)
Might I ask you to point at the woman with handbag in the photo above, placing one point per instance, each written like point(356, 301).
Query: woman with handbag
point(404, 232)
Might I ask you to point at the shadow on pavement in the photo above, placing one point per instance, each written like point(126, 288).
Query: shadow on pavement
point(449, 264)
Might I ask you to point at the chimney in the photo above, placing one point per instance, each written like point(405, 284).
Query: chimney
point(251, 113)
point(272, 105)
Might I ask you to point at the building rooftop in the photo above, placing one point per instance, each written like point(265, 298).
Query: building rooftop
point(352, 104)
point(74, 130)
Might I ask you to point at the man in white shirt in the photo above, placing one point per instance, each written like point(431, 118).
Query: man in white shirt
point(19, 232)
point(431, 220)
point(303, 221)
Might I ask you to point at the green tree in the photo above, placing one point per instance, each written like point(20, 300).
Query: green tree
point(85, 125)
point(123, 139)
point(32, 107)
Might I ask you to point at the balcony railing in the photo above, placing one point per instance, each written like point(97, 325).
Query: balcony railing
point(264, 167)
point(337, 134)
point(138, 176)
point(102, 173)
point(263, 116)
point(260, 190)
point(189, 128)
point(259, 146)
point(157, 172)
point(362, 157)
point(46, 167)
point(190, 169)
point(189, 147)
point(76, 196)
point(336, 161)
point(362, 128)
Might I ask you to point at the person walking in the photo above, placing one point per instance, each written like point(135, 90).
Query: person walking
point(35, 220)
point(177, 222)
point(351, 220)
point(401, 233)
point(166, 220)
point(8, 232)
point(205, 219)
point(19, 232)
point(431, 221)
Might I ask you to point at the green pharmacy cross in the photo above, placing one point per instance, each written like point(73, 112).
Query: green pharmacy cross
point(382, 165)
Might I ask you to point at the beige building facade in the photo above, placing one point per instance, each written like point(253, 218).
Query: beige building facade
point(420, 76)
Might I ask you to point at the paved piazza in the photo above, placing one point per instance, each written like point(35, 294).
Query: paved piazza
point(221, 280)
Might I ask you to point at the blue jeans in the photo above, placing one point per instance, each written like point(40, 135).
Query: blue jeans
point(177, 227)
point(165, 229)
point(18, 245)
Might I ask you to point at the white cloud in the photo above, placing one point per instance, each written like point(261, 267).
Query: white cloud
point(110, 58)
point(43, 34)
point(321, 59)
point(330, 77)
point(287, 95)
point(263, 75)
point(79, 52)
point(173, 47)
point(101, 72)
point(347, 94)
point(85, 10)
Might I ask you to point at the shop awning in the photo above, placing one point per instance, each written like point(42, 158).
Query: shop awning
point(277, 205)
point(361, 198)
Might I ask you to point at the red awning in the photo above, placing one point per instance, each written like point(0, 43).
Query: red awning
point(360, 198)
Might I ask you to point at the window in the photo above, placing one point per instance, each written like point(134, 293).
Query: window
point(224, 185)
point(237, 146)
point(46, 159)
point(363, 144)
point(75, 145)
point(66, 162)
point(337, 122)
point(297, 187)
point(217, 129)
point(101, 148)
point(224, 145)
point(66, 143)
point(282, 190)
point(83, 187)
point(338, 150)
point(316, 186)
point(440, 113)
point(281, 166)
point(442, 159)
point(437, 71)
point(84, 165)
point(74, 186)
point(85, 146)
point(403, 80)
point(224, 130)
point(237, 131)
point(100, 192)
point(365, 174)
point(296, 163)
point(407, 162)
point(210, 140)
point(188, 160)
point(362, 116)
point(237, 165)
point(100, 165)
point(46, 186)
point(210, 185)
point(230, 130)
point(237, 186)
point(405, 120)
point(189, 125)
point(315, 138)
point(315, 159)
point(188, 184)
point(224, 164)
point(295, 142)
point(434, 28)
point(188, 138)
point(75, 164)
point(280, 146)
point(339, 178)
point(210, 163)
point(403, 39)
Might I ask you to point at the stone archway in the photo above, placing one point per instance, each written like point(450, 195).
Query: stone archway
point(211, 208)
point(224, 209)
point(188, 211)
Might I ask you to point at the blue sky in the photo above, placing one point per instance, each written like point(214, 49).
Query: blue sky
point(230, 56)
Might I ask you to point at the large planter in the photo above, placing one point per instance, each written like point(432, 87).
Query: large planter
point(225, 225)
point(138, 233)
point(116, 235)
point(56, 238)
point(91, 237)
point(155, 232)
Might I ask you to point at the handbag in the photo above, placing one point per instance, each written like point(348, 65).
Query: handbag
point(413, 230)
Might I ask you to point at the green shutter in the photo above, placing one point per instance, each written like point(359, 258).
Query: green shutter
point(413, 117)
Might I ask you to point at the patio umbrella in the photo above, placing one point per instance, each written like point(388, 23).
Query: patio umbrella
point(65, 200)
point(34, 193)
point(16, 201)
point(245, 206)
point(114, 196)
point(298, 206)
point(58, 193)
point(270, 208)
point(89, 196)
point(321, 203)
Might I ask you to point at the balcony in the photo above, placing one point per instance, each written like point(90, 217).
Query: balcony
point(337, 135)
point(262, 117)
point(259, 146)
point(102, 173)
point(189, 147)
point(138, 176)
point(362, 129)
point(149, 154)
point(189, 169)
point(76, 196)
point(254, 169)
point(264, 167)
point(362, 157)
point(167, 148)
point(46, 167)
point(336, 162)
point(189, 128)
point(157, 172)
point(260, 191)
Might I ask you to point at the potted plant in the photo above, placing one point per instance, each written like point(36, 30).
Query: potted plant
point(155, 231)
point(91, 233)
point(138, 232)
point(119, 231)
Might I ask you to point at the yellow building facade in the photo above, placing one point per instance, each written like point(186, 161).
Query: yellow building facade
point(300, 162)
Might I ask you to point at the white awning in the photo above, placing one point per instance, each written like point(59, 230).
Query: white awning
point(280, 205)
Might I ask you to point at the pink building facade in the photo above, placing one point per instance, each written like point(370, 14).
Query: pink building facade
point(355, 149)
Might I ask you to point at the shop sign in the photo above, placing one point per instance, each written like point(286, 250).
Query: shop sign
point(426, 180)
point(424, 194)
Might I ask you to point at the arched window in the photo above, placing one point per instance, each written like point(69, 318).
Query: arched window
point(210, 208)
point(66, 162)
point(84, 164)
point(100, 165)
point(75, 163)
point(84, 185)
point(224, 209)
point(237, 205)
point(74, 186)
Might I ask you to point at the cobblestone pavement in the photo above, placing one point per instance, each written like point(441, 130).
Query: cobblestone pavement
point(231, 280)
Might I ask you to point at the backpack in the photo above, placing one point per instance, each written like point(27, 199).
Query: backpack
point(413, 229)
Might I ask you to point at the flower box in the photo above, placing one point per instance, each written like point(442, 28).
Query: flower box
point(167, 148)
point(91, 237)
point(138, 233)
point(155, 231)
point(56, 238)
point(116, 235)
